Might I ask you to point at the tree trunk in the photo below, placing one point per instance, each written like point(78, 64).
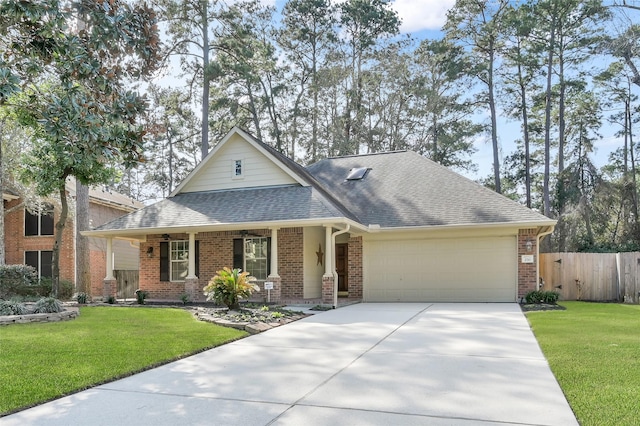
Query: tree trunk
point(83, 263)
point(494, 124)
point(2, 249)
point(525, 134)
point(60, 225)
point(204, 144)
point(546, 198)
point(561, 107)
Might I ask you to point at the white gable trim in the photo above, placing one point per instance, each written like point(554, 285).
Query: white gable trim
point(248, 138)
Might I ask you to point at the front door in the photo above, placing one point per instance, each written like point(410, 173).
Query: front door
point(342, 267)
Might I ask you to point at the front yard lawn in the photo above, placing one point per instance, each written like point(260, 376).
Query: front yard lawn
point(40, 362)
point(594, 352)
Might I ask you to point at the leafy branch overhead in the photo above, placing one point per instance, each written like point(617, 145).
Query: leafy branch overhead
point(65, 69)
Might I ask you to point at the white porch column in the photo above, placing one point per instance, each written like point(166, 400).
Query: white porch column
point(192, 256)
point(328, 251)
point(110, 260)
point(274, 252)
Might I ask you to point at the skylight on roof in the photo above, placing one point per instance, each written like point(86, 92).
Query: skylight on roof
point(357, 173)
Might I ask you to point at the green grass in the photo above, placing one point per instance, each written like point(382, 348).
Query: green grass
point(40, 362)
point(594, 352)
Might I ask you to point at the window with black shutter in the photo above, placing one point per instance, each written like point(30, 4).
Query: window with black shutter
point(39, 222)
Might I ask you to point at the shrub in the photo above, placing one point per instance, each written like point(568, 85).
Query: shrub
point(82, 298)
point(12, 307)
point(140, 296)
point(111, 300)
point(47, 305)
point(229, 286)
point(185, 298)
point(45, 288)
point(541, 296)
point(14, 277)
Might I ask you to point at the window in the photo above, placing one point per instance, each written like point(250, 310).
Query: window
point(179, 260)
point(41, 260)
point(357, 173)
point(174, 260)
point(39, 222)
point(237, 170)
point(252, 255)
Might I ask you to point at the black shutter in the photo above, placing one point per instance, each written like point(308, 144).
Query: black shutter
point(30, 224)
point(164, 261)
point(238, 253)
point(269, 255)
point(197, 258)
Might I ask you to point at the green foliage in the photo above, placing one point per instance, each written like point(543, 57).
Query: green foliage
point(185, 298)
point(592, 349)
point(48, 305)
point(82, 298)
point(89, 350)
point(228, 287)
point(141, 295)
point(112, 300)
point(12, 307)
point(541, 296)
point(15, 277)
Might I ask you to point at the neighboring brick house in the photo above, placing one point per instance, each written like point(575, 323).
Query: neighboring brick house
point(380, 227)
point(29, 236)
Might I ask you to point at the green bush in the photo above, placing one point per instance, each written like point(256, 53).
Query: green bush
point(47, 305)
point(229, 286)
point(15, 277)
point(82, 298)
point(541, 296)
point(140, 296)
point(12, 307)
point(45, 289)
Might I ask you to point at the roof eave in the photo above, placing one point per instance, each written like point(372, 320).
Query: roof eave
point(140, 232)
point(550, 223)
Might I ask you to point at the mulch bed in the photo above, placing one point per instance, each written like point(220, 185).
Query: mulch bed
point(541, 307)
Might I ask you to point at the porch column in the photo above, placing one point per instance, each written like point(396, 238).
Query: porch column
point(191, 281)
point(192, 256)
point(110, 285)
point(274, 253)
point(275, 294)
point(327, 278)
point(109, 260)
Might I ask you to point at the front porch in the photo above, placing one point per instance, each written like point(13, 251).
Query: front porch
point(301, 263)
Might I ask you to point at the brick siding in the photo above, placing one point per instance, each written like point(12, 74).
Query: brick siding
point(527, 272)
point(355, 267)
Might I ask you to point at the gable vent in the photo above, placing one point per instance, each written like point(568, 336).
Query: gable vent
point(358, 173)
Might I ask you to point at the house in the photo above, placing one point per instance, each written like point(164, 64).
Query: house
point(29, 235)
point(381, 227)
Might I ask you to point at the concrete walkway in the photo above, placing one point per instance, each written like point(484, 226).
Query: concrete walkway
point(366, 364)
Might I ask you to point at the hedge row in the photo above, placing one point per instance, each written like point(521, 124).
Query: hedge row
point(23, 281)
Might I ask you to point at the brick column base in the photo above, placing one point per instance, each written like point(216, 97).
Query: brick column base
point(327, 289)
point(276, 293)
point(193, 290)
point(109, 288)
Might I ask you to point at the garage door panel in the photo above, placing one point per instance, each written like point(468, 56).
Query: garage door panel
point(442, 270)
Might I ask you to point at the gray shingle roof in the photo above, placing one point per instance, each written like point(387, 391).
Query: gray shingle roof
point(232, 206)
point(406, 189)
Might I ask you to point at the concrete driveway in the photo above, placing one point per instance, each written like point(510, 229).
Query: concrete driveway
point(365, 364)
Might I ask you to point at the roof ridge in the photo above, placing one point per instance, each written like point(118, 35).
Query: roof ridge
point(370, 154)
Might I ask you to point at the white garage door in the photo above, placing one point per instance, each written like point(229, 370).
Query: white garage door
point(441, 270)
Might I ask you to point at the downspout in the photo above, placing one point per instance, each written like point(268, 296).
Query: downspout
point(539, 237)
point(333, 266)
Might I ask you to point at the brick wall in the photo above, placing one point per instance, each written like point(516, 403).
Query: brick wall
point(527, 272)
point(16, 243)
point(216, 252)
point(355, 267)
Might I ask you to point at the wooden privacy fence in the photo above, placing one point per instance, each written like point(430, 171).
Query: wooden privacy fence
point(592, 276)
point(127, 283)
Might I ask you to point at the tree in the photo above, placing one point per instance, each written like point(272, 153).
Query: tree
point(478, 25)
point(363, 22)
point(73, 61)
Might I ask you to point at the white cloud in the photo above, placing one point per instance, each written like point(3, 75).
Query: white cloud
point(418, 15)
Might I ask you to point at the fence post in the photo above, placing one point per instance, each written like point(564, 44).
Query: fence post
point(618, 276)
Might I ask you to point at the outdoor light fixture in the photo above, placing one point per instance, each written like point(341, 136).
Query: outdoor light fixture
point(529, 245)
point(166, 237)
point(150, 251)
